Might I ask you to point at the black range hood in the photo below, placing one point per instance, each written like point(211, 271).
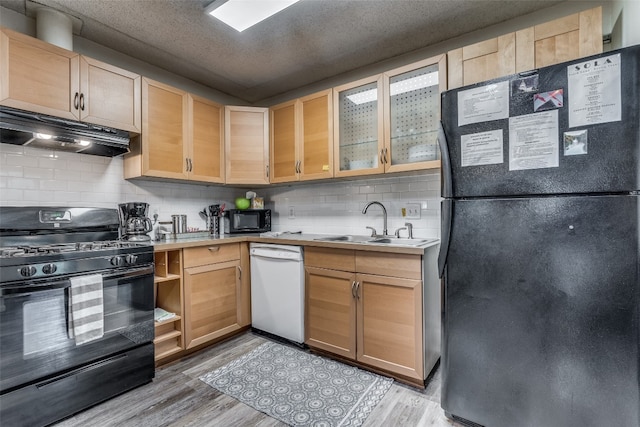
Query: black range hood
point(20, 127)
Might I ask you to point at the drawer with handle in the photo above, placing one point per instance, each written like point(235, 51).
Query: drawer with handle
point(211, 254)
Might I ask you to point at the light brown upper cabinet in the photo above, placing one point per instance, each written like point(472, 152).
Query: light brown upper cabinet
point(206, 154)
point(389, 123)
point(43, 78)
point(553, 42)
point(181, 136)
point(358, 138)
point(412, 114)
point(246, 145)
point(302, 138)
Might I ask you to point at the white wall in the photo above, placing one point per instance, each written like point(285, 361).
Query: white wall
point(39, 177)
point(336, 207)
point(623, 23)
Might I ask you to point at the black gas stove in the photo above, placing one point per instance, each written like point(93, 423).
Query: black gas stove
point(45, 254)
point(43, 242)
point(43, 261)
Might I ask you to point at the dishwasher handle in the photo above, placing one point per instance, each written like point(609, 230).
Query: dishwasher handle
point(276, 253)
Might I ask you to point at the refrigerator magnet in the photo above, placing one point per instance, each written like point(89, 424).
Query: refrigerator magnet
point(524, 85)
point(575, 142)
point(548, 100)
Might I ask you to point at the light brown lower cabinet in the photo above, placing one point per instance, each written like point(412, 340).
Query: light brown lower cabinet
point(209, 290)
point(367, 307)
point(214, 295)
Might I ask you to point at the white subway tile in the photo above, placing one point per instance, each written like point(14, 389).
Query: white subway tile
point(40, 173)
point(53, 185)
point(11, 149)
point(21, 160)
point(12, 195)
point(38, 196)
point(52, 163)
point(12, 171)
point(22, 183)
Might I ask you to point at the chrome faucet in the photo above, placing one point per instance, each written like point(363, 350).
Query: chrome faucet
point(384, 213)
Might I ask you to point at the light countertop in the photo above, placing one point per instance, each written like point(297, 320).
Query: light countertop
point(298, 239)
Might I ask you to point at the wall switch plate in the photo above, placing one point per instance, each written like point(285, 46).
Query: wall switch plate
point(292, 212)
point(413, 211)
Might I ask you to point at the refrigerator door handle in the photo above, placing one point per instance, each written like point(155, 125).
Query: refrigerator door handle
point(447, 217)
point(447, 182)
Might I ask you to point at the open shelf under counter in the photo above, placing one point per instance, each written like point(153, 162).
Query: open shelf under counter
point(168, 339)
point(169, 277)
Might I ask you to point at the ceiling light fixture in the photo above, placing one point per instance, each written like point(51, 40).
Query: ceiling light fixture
point(242, 14)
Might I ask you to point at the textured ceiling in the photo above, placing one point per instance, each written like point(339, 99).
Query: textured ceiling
point(306, 43)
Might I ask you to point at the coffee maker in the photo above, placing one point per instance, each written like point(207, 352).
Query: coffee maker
point(134, 223)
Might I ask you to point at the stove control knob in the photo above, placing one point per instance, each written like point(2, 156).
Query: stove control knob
point(117, 261)
point(27, 271)
point(49, 268)
point(131, 259)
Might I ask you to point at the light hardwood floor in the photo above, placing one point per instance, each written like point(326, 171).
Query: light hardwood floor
point(176, 397)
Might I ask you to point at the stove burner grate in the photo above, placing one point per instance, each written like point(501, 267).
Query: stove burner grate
point(26, 250)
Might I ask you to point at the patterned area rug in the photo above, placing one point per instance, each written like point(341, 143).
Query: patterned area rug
point(300, 389)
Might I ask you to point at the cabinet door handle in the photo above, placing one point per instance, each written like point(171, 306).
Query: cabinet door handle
point(214, 248)
point(353, 289)
point(386, 158)
point(190, 165)
point(239, 272)
point(82, 101)
point(75, 101)
point(381, 156)
point(357, 290)
point(267, 171)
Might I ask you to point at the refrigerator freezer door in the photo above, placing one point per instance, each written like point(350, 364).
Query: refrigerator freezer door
point(611, 163)
point(541, 312)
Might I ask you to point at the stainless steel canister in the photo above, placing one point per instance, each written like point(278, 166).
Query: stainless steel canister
point(178, 224)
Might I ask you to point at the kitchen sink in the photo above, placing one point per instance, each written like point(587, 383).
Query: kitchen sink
point(376, 240)
point(400, 242)
point(346, 238)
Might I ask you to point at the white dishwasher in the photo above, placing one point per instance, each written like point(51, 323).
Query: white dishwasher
point(277, 290)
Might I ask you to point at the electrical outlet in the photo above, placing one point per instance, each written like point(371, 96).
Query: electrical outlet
point(292, 212)
point(413, 211)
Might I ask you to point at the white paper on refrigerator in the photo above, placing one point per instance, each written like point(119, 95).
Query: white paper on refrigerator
point(595, 91)
point(533, 141)
point(483, 148)
point(483, 104)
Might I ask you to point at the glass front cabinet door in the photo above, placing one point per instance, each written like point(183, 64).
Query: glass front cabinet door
point(389, 122)
point(411, 115)
point(358, 132)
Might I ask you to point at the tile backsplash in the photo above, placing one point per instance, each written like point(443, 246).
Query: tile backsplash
point(32, 176)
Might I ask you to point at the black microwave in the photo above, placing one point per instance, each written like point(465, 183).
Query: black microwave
point(248, 221)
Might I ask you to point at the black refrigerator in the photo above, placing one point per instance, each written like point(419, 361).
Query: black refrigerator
point(539, 254)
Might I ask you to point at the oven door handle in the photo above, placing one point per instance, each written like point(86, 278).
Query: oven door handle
point(62, 283)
